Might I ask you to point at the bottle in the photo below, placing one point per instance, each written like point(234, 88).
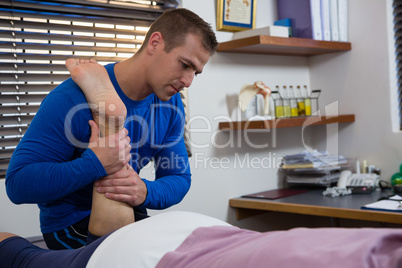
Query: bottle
point(300, 102)
point(278, 103)
point(286, 102)
point(293, 102)
point(307, 100)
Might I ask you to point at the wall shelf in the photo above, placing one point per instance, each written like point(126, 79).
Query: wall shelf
point(286, 122)
point(271, 45)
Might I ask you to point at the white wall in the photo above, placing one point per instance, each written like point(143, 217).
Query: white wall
point(358, 80)
point(22, 219)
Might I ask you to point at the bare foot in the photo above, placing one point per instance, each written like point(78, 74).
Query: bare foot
point(93, 79)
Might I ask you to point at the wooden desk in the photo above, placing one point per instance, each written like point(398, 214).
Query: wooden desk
point(314, 203)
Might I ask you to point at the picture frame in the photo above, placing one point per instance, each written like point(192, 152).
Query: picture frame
point(235, 15)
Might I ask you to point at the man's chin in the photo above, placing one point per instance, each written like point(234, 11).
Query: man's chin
point(164, 98)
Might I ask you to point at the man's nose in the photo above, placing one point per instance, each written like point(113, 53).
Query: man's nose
point(187, 79)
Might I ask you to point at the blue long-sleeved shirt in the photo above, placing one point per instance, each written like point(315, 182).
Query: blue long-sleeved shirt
point(53, 167)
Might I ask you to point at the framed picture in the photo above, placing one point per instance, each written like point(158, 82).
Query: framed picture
point(235, 15)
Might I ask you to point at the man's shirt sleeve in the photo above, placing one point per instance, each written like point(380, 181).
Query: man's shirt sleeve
point(52, 161)
point(173, 176)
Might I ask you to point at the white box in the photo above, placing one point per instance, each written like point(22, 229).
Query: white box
point(279, 31)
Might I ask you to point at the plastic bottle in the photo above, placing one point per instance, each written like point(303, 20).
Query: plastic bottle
point(307, 100)
point(301, 110)
point(293, 103)
point(286, 102)
point(278, 103)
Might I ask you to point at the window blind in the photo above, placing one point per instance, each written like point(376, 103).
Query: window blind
point(36, 37)
point(397, 7)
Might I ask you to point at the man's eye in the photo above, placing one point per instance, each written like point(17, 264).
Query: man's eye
point(185, 65)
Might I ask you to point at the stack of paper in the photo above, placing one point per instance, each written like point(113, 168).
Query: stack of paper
point(316, 168)
point(322, 177)
point(313, 159)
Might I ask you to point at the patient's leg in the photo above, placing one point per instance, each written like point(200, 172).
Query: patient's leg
point(108, 109)
point(106, 215)
point(4, 236)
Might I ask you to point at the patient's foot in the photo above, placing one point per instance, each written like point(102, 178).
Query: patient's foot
point(93, 79)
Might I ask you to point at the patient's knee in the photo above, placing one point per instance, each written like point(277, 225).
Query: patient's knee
point(4, 236)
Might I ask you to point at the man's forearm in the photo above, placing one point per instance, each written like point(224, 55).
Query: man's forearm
point(42, 182)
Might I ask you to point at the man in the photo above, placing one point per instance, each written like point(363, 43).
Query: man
point(53, 167)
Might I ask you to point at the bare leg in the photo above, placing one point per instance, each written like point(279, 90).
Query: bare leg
point(106, 215)
point(108, 109)
point(4, 236)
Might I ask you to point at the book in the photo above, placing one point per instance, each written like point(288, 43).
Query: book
point(333, 6)
point(279, 31)
point(285, 22)
point(275, 194)
point(305, 16)
point(325, 20)
point(392, 204)
point(343, 20)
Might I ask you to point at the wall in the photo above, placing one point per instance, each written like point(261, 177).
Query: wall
point(210, 96)
point(359, 82)
point(22, 219)
point(356, 80)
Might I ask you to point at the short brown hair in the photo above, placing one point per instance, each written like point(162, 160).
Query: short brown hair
point(175, 24)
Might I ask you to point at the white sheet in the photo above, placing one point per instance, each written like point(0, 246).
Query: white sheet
point(143, 243)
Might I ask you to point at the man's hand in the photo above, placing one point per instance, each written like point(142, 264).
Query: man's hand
point(112, 151)
point(124, 186)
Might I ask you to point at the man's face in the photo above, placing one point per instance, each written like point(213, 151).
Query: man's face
point(176, 69)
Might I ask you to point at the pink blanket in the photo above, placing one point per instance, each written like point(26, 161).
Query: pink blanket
point(300, 247)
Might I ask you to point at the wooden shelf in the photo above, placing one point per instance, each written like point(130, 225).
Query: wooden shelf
point(262, 44)
point(286, 122)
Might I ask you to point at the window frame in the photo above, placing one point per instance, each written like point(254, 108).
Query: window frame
point(395, 86)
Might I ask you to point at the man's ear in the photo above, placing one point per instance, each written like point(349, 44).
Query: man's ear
point(155, 41)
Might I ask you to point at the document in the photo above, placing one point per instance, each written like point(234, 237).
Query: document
point(392, 204)
point(275, 194)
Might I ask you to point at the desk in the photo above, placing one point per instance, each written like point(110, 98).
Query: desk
point(314, 203)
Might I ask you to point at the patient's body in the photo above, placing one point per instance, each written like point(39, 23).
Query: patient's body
point(187, 239)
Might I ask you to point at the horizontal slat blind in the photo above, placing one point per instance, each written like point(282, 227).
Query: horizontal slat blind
point(36, 37)
point(397, 6)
